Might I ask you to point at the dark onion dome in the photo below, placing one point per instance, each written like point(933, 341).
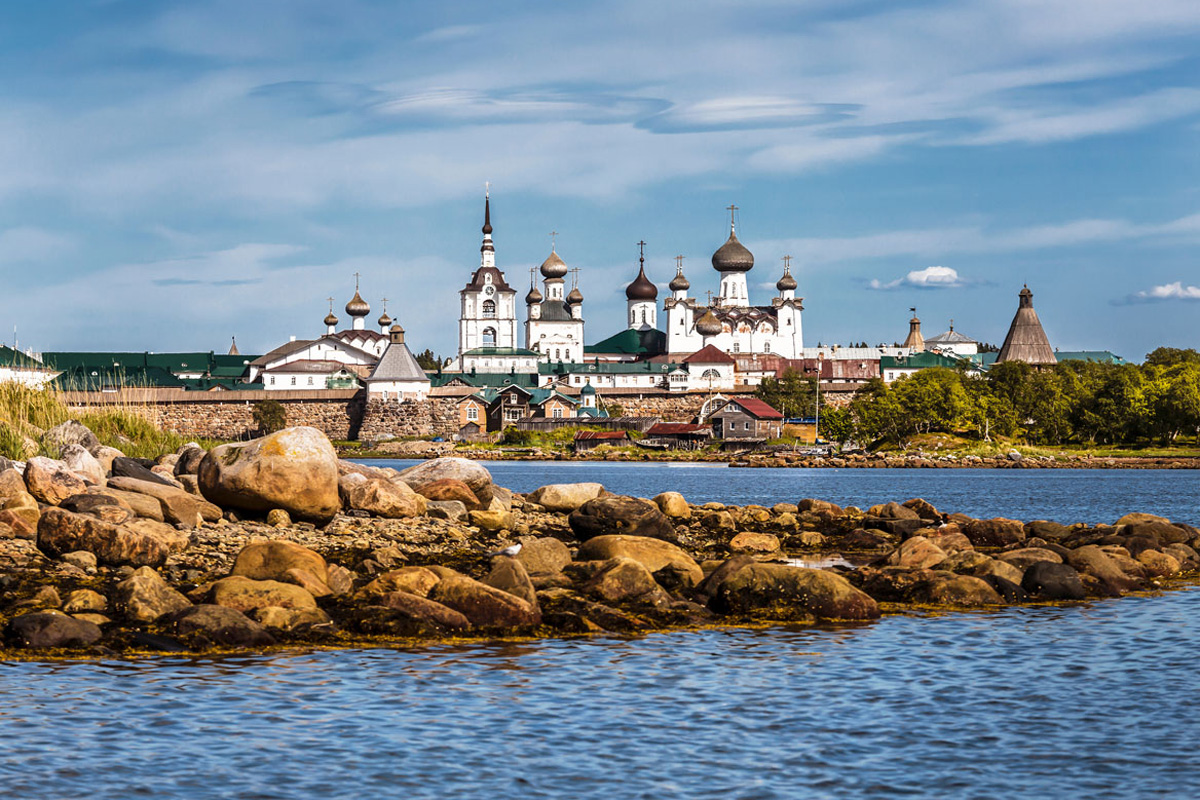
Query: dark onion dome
point(534, 296)
point(679, 283)
point(575, 297)
point(384, 320)
point(732, 256)
point(487, 214)
point(641, 288)
point(787, 282)
point(553, 266)
point(708, 325)
point(330, 319)
point(357, 307)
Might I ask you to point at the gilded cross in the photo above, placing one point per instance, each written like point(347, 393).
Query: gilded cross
point(330, 299)
point(731, 208)
point(641, 251)
point(574, 277)
point(787, 263)
point(679, 262)
point(553, 239)
point(356, 276)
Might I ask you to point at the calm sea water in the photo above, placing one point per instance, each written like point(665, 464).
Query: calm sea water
point(1060, 495)
point(1094, 701)
point(1089, 701)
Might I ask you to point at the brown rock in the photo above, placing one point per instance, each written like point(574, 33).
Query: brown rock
point(144, 596)
point(63, 532)
point(563, 498)
point(417, 581)
point(207, 625)
point(917, 552)
point(45, 629)
point(509, 575)
point(84, 464)
point(653, 554)
point(543, 555)
point(625, 580)
point(997, 532)
point(294, 469)
point(100, 506)
point(962, 590)
point(760, 544)
point(177, 504)
point(621, 515)
point(673, 505)
point(1109, 579)
point(1158, 562)
point(785, 591)
point(384, 498)
point(484, 606)
point(925, 509)
point(272, 559)
point(84, 601)
point(425, 610)
point(1025, 557)
point(290, 619)
point(892, 511)
point(472, 473)
point(50, 481)
point(491, 519)
point(244, 594)
point(141, 504)
point(449, 489)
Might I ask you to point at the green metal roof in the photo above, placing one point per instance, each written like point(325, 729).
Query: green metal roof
point(15, 358)
point(925, 360)
point(651, 342)
point(218, 366)
point(96, 379)
point(1101, 356)
point(484, 379)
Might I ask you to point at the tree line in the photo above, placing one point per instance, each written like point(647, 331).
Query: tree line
point(1074, 402)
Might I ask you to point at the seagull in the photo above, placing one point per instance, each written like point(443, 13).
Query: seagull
point(510, 551)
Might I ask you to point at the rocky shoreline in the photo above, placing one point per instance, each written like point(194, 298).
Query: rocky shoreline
point(785, 457)
point(278, 543)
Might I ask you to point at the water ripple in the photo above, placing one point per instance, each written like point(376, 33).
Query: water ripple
point(1093, 701)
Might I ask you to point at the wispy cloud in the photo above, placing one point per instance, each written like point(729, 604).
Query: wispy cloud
point(30, 244)
point(1163, 293)
point(928, 278)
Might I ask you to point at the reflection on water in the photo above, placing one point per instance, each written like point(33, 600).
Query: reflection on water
point(1061, 495)
point(1094, 701)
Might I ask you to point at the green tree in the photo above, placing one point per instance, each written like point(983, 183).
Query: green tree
point(1170, 356)
point(269, 416)
point(837, 424)
point(791, 393)
point(428, 361)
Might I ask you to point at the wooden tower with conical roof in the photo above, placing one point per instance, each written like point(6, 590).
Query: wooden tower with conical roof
point(1026, 341)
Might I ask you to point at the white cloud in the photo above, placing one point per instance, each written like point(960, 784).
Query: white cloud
point(1167, 291)
point(928, 278)
point(30, 244)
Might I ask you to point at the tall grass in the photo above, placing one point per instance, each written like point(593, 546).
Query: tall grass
point(26, 413)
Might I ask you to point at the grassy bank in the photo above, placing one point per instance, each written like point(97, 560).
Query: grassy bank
point(26, 414)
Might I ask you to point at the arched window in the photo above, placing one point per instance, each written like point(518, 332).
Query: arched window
point(489, 309)
point(558, 354)
point(643, 316)
point(489, 337)
point(710, 374)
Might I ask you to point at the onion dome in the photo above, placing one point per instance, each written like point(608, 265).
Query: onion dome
point(708, 325)
point(357, 307)
point(330, 319)
point(641, 288)
point(553, 266)
point(384, 320)
point(575, 297)
point(732, 256)
point(533, 297)
point(787, 282)
point(679, 283)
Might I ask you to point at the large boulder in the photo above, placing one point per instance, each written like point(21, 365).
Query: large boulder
point(625, 580)
point(280, 560)
point(422, 609)
point(1160, 531)
point(960, 590)
point(50, 481)
point(245, 594)
point(630, 516)
point(208, 625)
point(1023, 558)
point(564, 498)
point(189, 460)
point(543, 555)
point(43, 629)
point(1107, 577)
point(409, 580)
point(294, 469)
point(997, 532)
point(448, 489)
point(1046, 580)
point(68, 433)
point(755, 543)
point(509, 575)
point(100, 506)
point(674, 505)
point(177, 504)
point(892, 510)
point(779, 590)
point(143, 505)
point(653, 554)
point(84, 464)
point(484, 606)
point(472, 473)
point(917, 552)
point(62, 532)
point(144, 596)
point(384, 498)
point(125, 467)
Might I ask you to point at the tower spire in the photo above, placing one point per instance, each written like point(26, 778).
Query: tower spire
point(487, 250)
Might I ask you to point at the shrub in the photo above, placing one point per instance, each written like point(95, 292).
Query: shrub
point(269, 416)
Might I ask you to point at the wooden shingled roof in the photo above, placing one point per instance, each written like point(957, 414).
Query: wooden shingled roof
point(1026, 340)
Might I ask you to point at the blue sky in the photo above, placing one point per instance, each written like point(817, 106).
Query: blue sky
point(172, 174)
